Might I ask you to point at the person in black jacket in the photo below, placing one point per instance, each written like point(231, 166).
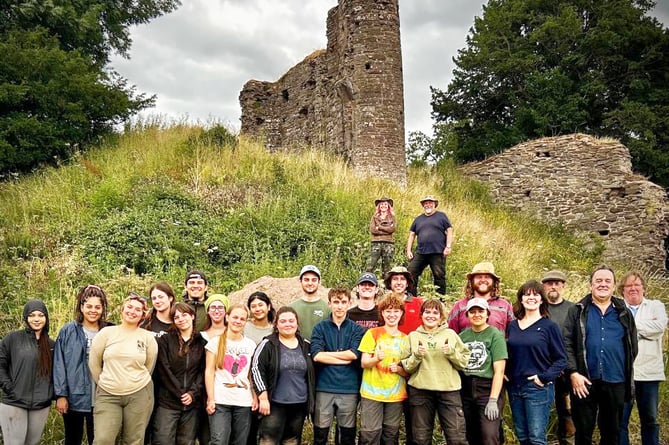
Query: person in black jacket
point(26, 358)
point(284, 380)
point(601, 342)
point(179, 380)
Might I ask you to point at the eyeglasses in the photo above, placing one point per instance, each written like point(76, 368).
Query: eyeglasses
point(217, 308)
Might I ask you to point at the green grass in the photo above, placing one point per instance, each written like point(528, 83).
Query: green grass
point(155, 201)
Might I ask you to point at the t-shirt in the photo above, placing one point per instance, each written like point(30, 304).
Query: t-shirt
point(122, 361)
point(412, 318)
point(485, 347)
point(232, 386)
point(158, 328)
point(291, 386)
point(90, 335)
point(255, 333)
point(431, 232)
point(378, 382)
point(365, 319)
point(309, 313)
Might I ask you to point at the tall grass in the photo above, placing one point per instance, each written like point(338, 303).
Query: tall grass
point(155, 201)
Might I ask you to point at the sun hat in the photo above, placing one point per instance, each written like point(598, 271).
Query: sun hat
point(384, 199)
point(484, 267)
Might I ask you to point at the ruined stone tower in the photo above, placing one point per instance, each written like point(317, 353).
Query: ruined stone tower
point(347, 99)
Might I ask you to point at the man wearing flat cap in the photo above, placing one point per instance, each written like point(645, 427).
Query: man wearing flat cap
point(435, 239)
point(554, 283)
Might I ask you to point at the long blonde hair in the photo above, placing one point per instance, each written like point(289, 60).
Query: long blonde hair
point(223, 339)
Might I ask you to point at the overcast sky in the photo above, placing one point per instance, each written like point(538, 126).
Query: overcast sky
point(197, 59)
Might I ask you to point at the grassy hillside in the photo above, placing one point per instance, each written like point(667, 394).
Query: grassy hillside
point(158, 201)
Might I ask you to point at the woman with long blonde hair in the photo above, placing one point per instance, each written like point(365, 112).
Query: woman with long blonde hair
point(230, 396)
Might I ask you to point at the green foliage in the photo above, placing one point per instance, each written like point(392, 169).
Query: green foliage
point(56, 94)
point(535, 68)
point(53, 100)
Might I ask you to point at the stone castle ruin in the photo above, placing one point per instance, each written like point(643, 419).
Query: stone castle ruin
point(585, 184)
point(347, 99)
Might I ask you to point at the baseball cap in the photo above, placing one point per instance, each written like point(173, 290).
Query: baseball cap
point(310, 268)
point(195, 274)
point(368, 277)
point(477, 302)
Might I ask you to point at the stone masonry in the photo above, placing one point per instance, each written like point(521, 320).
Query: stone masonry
point(586, 184)
point(347, 99)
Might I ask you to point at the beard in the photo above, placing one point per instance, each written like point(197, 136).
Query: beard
point(553, 296)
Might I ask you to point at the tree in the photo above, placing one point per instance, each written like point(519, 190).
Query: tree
point(534, 68)
point(57, 92)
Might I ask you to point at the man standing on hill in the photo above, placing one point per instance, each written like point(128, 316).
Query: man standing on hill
point(554, 283)
point(365, 313)
point(601, 343)
point(196, 292)
point(435, 238)
point(310, 308)
point(482, 283)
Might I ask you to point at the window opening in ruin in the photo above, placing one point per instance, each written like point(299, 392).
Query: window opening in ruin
point(304, 111)
point(284, 94)
point(528, 193)
point(368, 65)
point(543, 154)
point(603, 232)
point(260, 121)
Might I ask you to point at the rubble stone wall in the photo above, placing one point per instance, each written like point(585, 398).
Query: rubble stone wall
point(586, 184)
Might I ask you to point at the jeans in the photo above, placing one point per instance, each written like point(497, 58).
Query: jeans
point(131, 412)
point(380, 422)
point(447, 405)
point(437, 263)
point(175, 426)
point(230, 425)
point(73, 425)
point(284, 424)
point(646, 395)
point(475, 393)
point(530, 408)
point(22, 426)
point(604, 406)
point(386, 252)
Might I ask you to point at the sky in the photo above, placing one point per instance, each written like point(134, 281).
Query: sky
point(197, 59)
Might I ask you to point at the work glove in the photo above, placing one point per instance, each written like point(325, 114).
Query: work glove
point(491, 410)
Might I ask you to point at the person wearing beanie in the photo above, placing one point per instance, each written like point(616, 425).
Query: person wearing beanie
point(26, 359)
point(196, 286)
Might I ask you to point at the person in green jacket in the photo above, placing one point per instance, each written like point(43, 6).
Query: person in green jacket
point(437, 353)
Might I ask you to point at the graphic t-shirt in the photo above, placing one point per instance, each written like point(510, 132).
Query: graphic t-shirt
point(485, 347)
point(231, 383)
point(378, 382)
point(309, 314)
point(365, 319)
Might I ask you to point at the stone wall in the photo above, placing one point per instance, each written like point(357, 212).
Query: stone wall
point(347, 99)
point(587, 184)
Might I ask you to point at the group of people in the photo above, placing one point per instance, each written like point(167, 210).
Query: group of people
point(219, 373)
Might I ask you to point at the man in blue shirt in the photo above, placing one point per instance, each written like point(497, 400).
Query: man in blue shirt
point(435, 239)
point(334, 349)
point(601, 343)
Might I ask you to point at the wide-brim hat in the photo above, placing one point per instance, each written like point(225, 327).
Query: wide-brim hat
point(484, 267)
point(398, 270)
point(554, 275)
point(384, 199)
point(430, 198)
